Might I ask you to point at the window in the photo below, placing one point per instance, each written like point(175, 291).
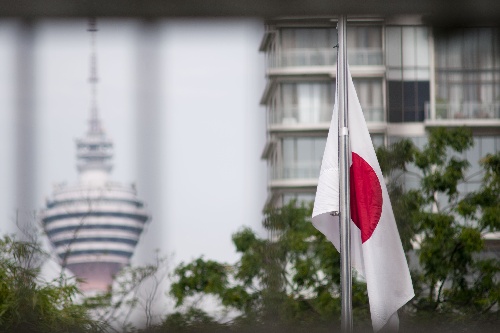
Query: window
point(408, 73)
point(364, 45)
point(311, 102)
point(314, 46)
point(468, 74)
point(370, 96)
point(308, 47)
point(306, 102)
point(302, 157)
point(377, 140)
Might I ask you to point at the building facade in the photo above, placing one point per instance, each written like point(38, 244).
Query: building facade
point(409, 77)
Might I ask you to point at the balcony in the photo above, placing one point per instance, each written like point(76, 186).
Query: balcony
point(324, 57)
point(373, 113)
point(302, 170)
point(468, 112)
point(297, 170)
point(300, 117)
point(300, 175)
point(294, 115)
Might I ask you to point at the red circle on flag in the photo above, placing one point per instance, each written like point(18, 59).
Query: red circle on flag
point(366, 197)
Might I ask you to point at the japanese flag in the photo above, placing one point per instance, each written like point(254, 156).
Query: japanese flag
point(376, 250)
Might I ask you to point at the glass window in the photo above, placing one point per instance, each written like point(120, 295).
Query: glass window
point(408, 73)
point(370, 96)
point(289, 157)
point(364, 45)
point(302, 157)
point(306, 102)
point(393, 47)
point(364, 37)
point(314, 46)
point(308, 46)
point(377, 140)
point(474, 155)
point(468, 73)
point(308, 38)
point(319, 149)
point(408, 100)
point(409, 47)
point(488, 146)
point(422, 52)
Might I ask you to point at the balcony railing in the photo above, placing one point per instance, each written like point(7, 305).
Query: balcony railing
point(297, 170)
point(325, 57)
point(294, 115)
point(307, 57)
point(365, 57)
point(465, 110)
point(373, 113)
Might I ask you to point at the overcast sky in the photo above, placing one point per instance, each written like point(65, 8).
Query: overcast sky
point(191, 130)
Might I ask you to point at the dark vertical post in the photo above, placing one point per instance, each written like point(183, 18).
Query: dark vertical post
point(149, 118)
point(25, 127)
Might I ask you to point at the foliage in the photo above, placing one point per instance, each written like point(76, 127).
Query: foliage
point(289, 277)
point(192, 320)
point(445, 227)
point(30, 304)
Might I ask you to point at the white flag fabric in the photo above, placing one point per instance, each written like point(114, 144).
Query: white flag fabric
point(376, 250)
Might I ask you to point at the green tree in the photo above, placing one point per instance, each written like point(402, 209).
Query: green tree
point(289, 278)
point(192, 320)
point(445, 228)
point(31, 304)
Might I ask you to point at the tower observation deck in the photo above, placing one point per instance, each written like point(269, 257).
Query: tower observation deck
point(94, 225)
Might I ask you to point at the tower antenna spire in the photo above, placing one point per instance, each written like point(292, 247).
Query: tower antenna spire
point(95, 150)
point(94, 122)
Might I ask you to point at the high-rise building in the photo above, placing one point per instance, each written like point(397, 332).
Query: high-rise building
point(95, 224)
point(408, 76)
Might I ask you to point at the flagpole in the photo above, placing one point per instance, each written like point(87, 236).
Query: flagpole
point(344, 164)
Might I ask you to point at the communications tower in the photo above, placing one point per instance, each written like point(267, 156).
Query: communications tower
point(95, 224)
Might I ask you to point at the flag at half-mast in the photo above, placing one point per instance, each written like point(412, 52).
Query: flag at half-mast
point(376, 250)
